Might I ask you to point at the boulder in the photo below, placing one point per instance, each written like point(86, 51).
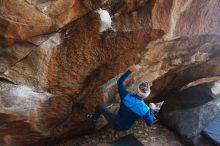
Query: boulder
point(189, 111)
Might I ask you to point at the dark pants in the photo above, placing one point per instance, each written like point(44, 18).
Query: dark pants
point(110, 117)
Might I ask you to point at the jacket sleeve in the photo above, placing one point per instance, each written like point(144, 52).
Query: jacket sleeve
point(121, 87)
point(149, 117)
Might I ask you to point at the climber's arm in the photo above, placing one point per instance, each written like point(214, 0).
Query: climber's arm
point(121, 87)
point(149, 117)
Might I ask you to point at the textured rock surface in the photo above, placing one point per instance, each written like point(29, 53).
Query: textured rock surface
point(23, 19)
point(53, 57)
point(191, 110)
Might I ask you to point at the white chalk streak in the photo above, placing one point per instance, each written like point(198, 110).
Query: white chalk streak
point(105, 20)
point(216, 88)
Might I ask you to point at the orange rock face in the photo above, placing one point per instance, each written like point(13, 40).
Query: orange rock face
point(28, 18)
point(57, 57)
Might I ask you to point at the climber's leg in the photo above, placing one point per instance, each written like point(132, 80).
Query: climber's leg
point(100, 109)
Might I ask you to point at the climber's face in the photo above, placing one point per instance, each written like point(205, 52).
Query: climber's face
point(144, 86)
point(144, 89)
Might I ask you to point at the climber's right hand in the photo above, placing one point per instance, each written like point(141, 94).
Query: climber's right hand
point(152, 106)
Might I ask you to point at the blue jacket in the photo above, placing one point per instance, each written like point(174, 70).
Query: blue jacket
point(132, 107)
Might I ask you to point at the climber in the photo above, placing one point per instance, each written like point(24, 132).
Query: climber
point(132, 105)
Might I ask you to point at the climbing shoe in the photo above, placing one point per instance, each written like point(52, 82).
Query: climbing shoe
point(91, 117)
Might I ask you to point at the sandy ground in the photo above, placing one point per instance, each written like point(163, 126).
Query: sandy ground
point(158, 135)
